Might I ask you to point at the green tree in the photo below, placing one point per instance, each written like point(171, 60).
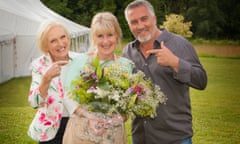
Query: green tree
point(119, 12)
point(206, 18)
point(59, 6)
point(175, 23)
point(210, 18)
point(231, 14)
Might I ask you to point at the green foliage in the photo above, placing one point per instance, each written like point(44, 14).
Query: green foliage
point(211, 19)
point(230, 10)
point(175, 23)
point(84, 10)
point(59, 6)
point(206, 17)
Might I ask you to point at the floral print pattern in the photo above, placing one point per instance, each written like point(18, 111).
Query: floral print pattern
point(49, 111)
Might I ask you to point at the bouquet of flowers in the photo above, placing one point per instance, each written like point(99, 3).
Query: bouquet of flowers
point(112, 89)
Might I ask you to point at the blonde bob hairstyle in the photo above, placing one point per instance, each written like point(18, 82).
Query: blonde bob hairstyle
point(103, 23)
point(43, 30)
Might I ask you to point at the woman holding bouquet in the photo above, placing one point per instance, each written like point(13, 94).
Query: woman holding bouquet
point(85, 126)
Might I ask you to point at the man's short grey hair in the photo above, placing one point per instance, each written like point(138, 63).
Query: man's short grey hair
point(137, 3)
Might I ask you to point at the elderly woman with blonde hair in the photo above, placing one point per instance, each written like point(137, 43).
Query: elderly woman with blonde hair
point(46, 90)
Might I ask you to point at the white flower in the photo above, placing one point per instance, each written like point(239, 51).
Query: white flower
point(116, 96)
point(100, 93)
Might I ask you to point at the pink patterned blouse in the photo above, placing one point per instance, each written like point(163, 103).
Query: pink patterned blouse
point(49, 111)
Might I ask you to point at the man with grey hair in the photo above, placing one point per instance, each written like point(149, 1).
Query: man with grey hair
point(172, 63)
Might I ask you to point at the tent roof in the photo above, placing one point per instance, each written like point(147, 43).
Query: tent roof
point(26, 16)
point(5, 35)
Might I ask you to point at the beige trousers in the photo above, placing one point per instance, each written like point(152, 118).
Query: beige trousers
point(77, 132)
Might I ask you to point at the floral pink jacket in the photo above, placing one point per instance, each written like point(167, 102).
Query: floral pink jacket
point(49, 111)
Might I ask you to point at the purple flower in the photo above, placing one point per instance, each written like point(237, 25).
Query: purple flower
point(92, 88)
point(77, 87)
point(94, 76)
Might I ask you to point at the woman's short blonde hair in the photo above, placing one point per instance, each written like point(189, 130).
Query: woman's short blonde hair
point(105, 22)
point(43, 30)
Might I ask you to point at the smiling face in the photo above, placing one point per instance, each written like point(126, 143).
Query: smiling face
point(106, 43)
point(106, 34)
point(57, 43)
point(141, 23)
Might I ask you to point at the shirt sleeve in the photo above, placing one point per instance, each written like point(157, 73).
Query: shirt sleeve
point(69, 73)
point(70, 104)
point(34, 97)
point(190, 69)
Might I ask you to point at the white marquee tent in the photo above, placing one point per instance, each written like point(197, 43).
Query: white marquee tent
point(20, 20)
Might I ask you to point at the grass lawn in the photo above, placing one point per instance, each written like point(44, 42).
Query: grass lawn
point(15, 114)
point(216, 110)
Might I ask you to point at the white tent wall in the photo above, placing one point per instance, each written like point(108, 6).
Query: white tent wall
point(7, 45)
point(26, 52)
point(22, 18)
point(24, 30)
